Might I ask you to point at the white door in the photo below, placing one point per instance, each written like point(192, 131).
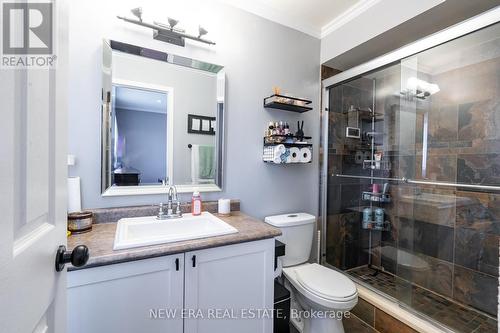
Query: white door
point(229, 285)
point(33, 192)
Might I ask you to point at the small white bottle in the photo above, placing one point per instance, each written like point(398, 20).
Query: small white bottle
point(196, 203)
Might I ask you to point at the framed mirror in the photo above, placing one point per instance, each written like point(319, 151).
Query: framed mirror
point(162, 122)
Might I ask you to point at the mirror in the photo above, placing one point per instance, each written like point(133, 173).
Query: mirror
point(162, 122)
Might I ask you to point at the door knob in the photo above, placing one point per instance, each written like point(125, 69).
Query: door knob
point(78, 257)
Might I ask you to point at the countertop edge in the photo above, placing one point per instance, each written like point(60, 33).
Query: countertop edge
point(118, 260)
point(238, 219)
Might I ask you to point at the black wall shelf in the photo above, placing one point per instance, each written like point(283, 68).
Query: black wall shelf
point(289, 144)
point(287, 103)
point(269, 154)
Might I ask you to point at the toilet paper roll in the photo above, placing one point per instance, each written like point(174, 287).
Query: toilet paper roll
point(305, 155)
point(279, 149)
point(74, 195)
point(294, 155)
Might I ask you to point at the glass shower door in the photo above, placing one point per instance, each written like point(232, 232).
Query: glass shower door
point(413, 186)
point(362, 143)
point(450, 210)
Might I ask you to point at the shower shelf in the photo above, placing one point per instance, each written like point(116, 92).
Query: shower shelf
point(385, 227)
point(376, 197)
point(358, 209)
point(364, 112)
point(372, 164)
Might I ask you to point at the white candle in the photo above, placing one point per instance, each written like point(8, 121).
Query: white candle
point(224, 206)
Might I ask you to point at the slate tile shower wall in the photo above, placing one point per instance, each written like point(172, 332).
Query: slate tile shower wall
point(347, 241)
point(451, 233)
point(453, 229)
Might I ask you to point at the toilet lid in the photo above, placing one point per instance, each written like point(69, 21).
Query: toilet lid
point(326, 282)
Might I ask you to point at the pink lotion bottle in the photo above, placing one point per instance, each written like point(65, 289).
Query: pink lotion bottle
point(196, 203)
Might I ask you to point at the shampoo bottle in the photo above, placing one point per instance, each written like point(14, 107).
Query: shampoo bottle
point(196, 203)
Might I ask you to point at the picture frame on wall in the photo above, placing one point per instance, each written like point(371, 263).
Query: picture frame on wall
point(197, 124)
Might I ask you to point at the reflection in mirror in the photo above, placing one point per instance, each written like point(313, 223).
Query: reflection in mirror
point(139, 136)
point(162, 122)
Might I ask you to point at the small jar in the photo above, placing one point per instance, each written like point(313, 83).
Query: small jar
point(80, 222)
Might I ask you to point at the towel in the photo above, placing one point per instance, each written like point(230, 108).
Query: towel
point(202, 163)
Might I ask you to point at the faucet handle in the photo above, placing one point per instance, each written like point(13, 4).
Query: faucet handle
point(161, 213)
point(178, 210)
point(169, 207)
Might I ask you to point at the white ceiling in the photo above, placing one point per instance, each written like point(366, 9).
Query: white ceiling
point(314, 17)
point(140, 100)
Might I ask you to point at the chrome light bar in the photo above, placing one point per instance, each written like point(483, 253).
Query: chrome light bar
point(167, 32)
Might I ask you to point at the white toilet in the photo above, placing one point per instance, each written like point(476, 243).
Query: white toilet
point(313, 286)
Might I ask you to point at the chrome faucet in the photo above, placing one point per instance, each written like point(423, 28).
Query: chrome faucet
point(172, 199)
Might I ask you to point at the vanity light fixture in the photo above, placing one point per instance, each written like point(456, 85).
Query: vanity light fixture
point(137, 12)
point(417, 88)
point(201, 31)
point(172, 22)
point(167, 32)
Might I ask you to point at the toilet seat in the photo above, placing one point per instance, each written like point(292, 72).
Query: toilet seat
point(323, 286)
point(326, 283)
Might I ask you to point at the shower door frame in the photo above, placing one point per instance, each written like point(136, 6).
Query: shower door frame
point(468, 26)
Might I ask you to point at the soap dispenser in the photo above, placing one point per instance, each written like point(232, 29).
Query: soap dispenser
point(196, 203)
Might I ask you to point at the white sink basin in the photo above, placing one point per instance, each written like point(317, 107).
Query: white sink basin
point(143, 231)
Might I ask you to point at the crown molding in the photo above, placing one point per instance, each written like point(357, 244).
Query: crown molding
point(261, 9)
point(351, 13)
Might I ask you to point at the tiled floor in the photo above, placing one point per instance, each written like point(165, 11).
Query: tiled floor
point(455, 316)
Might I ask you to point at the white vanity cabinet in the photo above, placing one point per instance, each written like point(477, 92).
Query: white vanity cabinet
point(126, 297)
point(120, 297)
point(230, 282)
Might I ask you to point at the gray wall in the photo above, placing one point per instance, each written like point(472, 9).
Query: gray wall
point(257, 55)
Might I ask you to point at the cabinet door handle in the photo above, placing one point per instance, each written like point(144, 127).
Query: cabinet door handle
point(177, 264)
point(194, 260)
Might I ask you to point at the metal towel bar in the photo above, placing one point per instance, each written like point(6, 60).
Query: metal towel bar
point(424, 182)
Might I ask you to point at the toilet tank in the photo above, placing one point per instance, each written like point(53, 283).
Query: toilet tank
point(297, 233)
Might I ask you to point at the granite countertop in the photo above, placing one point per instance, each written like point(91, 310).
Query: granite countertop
point(100, 241)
